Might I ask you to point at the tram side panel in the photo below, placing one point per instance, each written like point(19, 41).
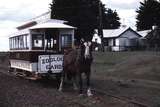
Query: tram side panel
point(37, 62)
point(23, 65)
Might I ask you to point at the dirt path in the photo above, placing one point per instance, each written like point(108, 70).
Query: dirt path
point(17, 92)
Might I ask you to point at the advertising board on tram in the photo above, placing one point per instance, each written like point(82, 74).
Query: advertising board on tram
point(50, 62)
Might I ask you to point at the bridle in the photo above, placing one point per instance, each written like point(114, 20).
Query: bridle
point(87, 53)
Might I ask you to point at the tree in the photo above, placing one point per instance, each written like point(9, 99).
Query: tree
point(79, 13)
point(82, 14)
point(153, 39)
point(111, 19)
point(148, 14)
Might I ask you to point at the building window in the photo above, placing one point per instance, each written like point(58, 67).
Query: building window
point(133, 42)
point(114, 42)
point(66, 40)
point(106, 42)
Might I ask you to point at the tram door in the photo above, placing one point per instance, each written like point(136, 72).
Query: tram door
point(52, 40)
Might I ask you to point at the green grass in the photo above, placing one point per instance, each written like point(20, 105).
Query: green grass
point(143, 65)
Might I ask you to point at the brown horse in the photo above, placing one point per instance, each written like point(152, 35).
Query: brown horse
point(76, 62)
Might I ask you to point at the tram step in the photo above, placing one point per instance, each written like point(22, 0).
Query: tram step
point(33, 78)
point(20, 74)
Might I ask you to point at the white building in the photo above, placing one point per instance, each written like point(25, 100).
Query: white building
point(144, 33)
point(120, 39)
point(143, 39)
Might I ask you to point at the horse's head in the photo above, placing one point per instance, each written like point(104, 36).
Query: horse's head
point(87, 50)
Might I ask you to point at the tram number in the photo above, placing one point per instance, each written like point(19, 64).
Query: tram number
point(50, 62)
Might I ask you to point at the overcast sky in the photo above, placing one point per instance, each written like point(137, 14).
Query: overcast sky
point(14, 12)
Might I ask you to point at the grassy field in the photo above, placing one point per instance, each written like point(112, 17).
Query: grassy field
point(4, 59)
point(137, 65)
point(132, 65)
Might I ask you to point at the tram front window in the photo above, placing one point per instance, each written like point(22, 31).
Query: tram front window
point(37, 41)
point(50, 43)
point(66, 40)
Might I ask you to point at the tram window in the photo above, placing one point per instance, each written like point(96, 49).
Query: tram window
point(28, 41)
point(13, 43)
point(10, 43)
point(19, 42)
point(49, 43)
point(66, 40)
point(16, 42)
point(37, 40)
point(24, 42)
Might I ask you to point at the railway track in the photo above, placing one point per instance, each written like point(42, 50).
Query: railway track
point(130, 103)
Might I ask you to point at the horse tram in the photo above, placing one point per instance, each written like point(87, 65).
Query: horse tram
point(36, 49)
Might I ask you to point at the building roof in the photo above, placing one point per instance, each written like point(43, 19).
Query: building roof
point(114, 33)
point(110, 33)
point(144, 32)
point(96, 38)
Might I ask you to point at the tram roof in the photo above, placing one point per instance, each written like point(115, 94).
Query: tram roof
point(20, 32)
point(51, 24)
point(48, 24)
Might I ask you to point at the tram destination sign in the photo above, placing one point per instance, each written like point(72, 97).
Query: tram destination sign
point(52, 63)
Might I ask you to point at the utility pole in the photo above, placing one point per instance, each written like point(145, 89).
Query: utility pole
point(100, 28)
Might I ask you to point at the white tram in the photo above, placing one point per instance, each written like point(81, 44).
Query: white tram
point(37, 48)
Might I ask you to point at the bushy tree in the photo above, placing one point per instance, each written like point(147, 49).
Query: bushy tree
point(111, 19)
point(148, 14)
point(79, 13)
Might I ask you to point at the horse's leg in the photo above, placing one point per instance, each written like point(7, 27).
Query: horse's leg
point(74, 83)
point(80, 83)
point(62, 81)
point(89, 93)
